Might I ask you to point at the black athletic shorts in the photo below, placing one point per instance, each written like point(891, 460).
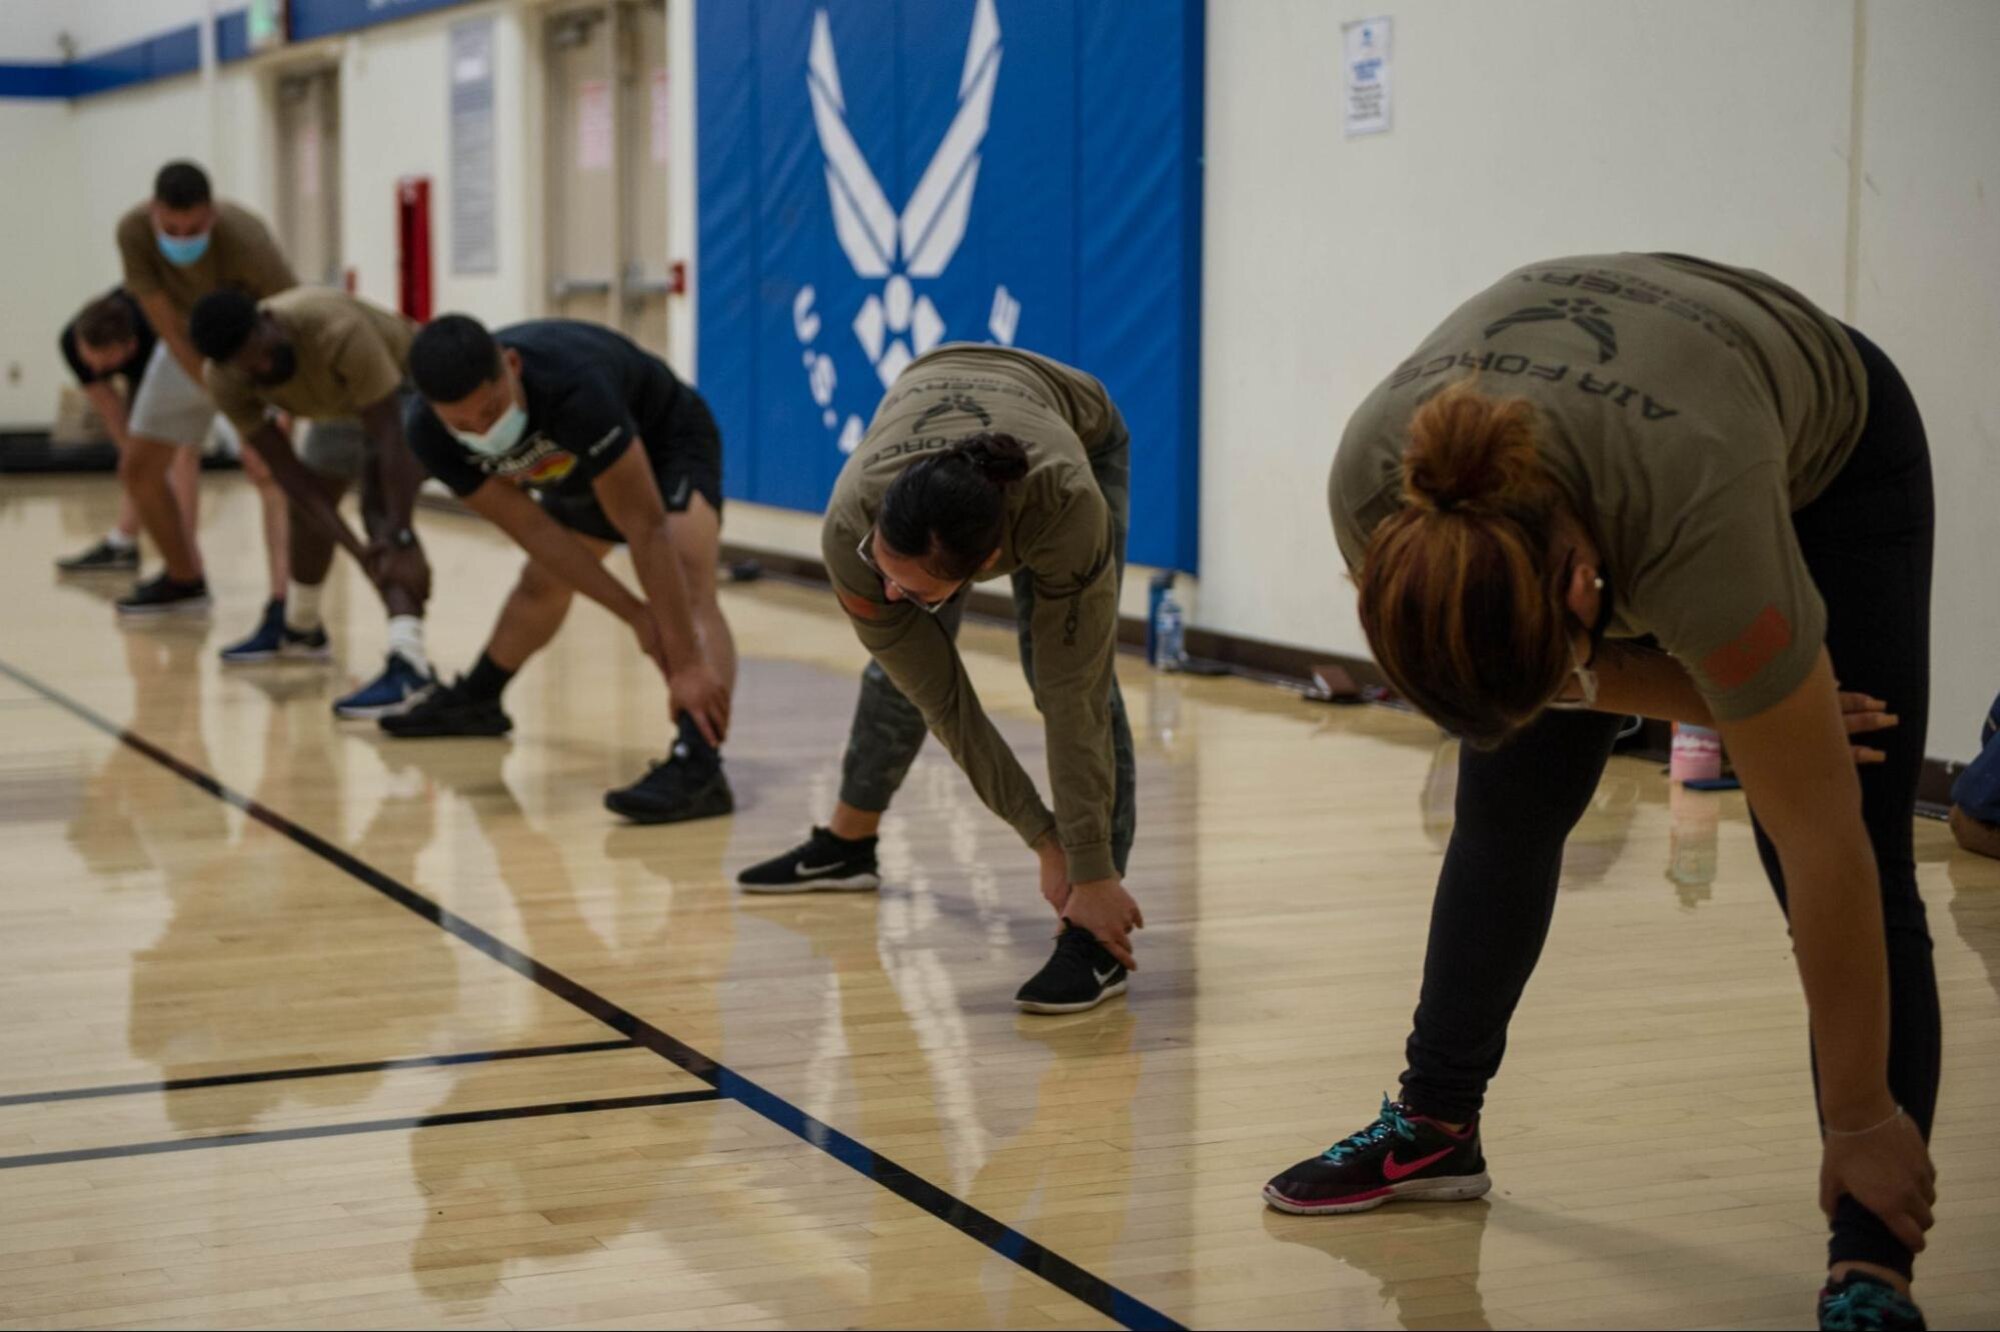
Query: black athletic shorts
point(687, 461)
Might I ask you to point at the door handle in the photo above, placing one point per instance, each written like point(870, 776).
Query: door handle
point(564, 287)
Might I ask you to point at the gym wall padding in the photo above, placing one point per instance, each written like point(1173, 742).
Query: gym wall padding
point(878, 177)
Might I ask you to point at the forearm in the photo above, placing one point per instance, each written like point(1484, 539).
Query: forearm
point(1081, 778)
point(566, 557)
point(1645, 682)
point(659, 573)
point(301, 488)
point(389, 501)
point(1836, 919)
point(110, 409)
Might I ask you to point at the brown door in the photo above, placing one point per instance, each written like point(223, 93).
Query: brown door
point(582, 156)
point(308, 190)
point(642, 142)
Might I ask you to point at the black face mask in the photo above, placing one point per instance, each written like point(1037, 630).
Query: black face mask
point(284, 364)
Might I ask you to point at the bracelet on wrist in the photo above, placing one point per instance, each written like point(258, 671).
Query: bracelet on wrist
point(1832, 1132)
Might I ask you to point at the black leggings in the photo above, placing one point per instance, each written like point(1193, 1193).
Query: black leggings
point(1867, 543)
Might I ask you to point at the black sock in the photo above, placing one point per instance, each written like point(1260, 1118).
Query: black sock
point(488, 678)
point(693, 745)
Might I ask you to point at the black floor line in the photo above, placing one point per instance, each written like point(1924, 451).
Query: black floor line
point(364, 1126)
point(995, 1234)
point(313, 1071)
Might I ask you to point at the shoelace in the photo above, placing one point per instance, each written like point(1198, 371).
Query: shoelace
point(1078, 945)
point(1863, 1306)
point(1390, 1120)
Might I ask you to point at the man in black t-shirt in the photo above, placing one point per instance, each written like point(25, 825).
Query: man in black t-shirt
point(616, 449)
point(111, 340)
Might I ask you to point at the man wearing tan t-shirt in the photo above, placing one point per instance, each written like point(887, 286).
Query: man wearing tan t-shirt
point(176, 248)
point(341, 363)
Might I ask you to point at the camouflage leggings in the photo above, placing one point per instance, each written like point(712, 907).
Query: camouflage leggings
point(888, 730)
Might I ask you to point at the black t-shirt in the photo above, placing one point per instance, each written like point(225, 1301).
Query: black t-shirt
point(133, 367)
point(590, 391)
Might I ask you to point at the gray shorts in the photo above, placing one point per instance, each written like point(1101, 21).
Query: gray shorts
point(336, 449)
point(169, 406)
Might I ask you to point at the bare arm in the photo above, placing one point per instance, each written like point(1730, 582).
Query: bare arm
point(389, 497)
point(502, 503)
point(168, 323)
point(301, 487)
point(110, 409)
point(1795, 769)
point(630, 496)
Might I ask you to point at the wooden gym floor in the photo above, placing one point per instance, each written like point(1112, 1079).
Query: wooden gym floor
point(531, 1068)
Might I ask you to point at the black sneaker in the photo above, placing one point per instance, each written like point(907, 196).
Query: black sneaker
point(1080, 976)
point(822, 862)
point(1862, 1303)
point(674, 792)
point(102, 557)
point(161, 595)
point(447, 710)
point(1400, 1155)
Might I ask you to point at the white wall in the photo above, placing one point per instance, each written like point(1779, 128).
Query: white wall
point(1529, 130)
point(1928, 251)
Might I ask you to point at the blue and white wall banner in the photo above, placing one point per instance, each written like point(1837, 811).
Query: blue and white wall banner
point(880, 176)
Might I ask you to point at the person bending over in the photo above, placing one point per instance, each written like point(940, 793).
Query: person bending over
point(987, 462)
point(341, 363)
point(616, 449)
point(1655, 485)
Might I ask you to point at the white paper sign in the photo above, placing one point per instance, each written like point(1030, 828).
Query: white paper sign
point(593, 126)
point(475, 246)
point(1365, 70)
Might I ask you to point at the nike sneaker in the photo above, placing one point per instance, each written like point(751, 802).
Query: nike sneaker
point(398, 688)
point(448, 710)
point(1859, 1302)
point(1080, 975)
point(823, 863)
point(161, 595)
point(676, 791)
point(275, 640)
point(1401, 1155)
point(103, 557)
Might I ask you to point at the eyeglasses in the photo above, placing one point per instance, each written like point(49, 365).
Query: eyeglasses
point(868, 558)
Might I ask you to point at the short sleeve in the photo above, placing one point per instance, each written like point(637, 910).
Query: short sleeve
point(442, 455)
point(592, 424)
point(1730, 596)
point(364, 363)
point(138, 253)
point(235, 399)
point(252, 259)
point(84, 374)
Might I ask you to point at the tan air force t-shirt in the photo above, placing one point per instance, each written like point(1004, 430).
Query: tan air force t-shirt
point(351, 355)
point(241, 255)
point(1687, 409)
point(1058, 527)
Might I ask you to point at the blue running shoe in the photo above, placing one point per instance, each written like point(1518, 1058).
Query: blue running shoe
point(395, 691)
point(1863, 1303)
point(262, 645)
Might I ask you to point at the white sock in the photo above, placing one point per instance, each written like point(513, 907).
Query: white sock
point(117, 540)
point(302, 607)
point(406, 640)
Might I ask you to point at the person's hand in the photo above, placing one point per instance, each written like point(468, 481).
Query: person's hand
point(1103, 907)
point(1055, 873)
point(1862, 714)
point(1888, 1170)
point(699, 692)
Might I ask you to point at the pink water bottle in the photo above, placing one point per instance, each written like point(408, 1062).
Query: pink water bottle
point(1697, 754)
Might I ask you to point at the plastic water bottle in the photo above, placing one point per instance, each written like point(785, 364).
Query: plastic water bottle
point(1168, 626)
point(1696, 755)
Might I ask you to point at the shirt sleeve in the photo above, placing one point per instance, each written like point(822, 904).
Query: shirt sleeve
point(1731, 598)
point(363, 362)
point(920, 659)
point(84, 374)
point(442, 456)
point(139, 254)
point(594, 425)
point(259, 265)
point(1074, 630)
point(235, 399)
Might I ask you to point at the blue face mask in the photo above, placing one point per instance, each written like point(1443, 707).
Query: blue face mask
point(501, 437)
point(182, 250)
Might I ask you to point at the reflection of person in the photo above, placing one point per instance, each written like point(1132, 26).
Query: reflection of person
point(1658, 447)
point(620, 451)
point(111, 340)
point(340, 362)
point(983, 462)
point(178, 247)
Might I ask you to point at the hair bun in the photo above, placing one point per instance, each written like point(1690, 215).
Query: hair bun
point(1001, 459)
point(1471, 451)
